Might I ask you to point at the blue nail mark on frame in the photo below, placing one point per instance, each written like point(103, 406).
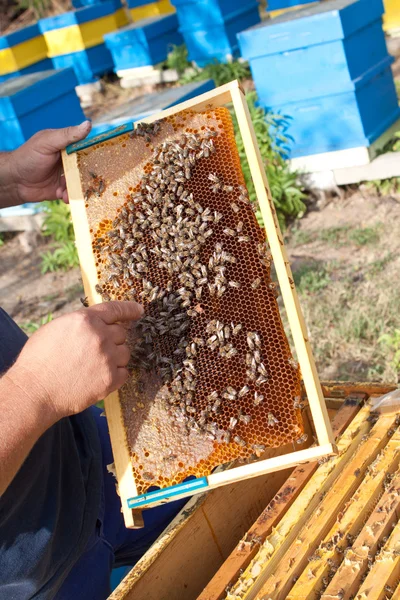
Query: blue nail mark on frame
point(99, 138)
point(169, 492)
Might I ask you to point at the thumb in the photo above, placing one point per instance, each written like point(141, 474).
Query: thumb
point(117, 311)
point(58, 139)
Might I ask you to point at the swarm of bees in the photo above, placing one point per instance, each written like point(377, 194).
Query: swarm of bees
point(180, 253)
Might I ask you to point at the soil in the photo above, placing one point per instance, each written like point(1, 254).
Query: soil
point(28, 295)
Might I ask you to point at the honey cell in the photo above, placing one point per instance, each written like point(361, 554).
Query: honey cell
point(212, 375)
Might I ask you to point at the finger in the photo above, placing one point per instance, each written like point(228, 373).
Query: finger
point(121, 377)
point(114, 311)
point(58, 139)
point(121, 355)
point(117, 334)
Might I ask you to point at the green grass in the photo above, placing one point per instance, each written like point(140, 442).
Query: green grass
point(301, 237)
point(339, 236)
point(354, 327)
point(58, 226)
point(391, 342)
point(365, 236)
point(63, 258)
point(311, 278)
point(31, 326)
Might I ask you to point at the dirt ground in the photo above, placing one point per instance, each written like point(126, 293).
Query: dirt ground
point(345, 257)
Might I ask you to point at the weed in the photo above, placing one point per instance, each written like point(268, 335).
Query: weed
point(377, 266)
point(64, 257)
point(386, 187)
point(38, 7)
point(178, 59)
point(32, 326)
point(57, 223)
point(391, 342)
point(311, 278)
point(301, 237)
point(335, 236)
point(365, 236)
point(285, 188)
point(1, 240)
point(219, 72)
point(58, 226)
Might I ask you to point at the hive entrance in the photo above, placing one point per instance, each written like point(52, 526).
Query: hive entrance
point(213, 378)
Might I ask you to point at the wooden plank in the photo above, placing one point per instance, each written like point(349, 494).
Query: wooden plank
point(339, 389)
point(385, 571)
point(396, 595)
point(278, 578)
point(282, 536)
point(122, 460)
point(348, 523)
point(248, 547)
point(378, 526)
point(185, 557)
point(220, 96)
point(282, 267)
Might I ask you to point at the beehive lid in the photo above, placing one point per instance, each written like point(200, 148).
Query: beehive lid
point(79, 16)
point(19, 36)
point(21, 95)
point(151, 28)
point(317, 24)
point(141, 107)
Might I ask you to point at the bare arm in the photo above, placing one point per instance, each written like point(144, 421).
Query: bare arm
point(33, 172)
point(65, 367)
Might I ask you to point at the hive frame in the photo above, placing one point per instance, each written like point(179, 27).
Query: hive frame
point(230, 93)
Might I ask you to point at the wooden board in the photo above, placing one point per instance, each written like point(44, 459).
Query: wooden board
point(278, 579)
point(186, 556)
point(347, 524)
point(249, 545)
point(285, 533)
point(230, 93)
point(358, 559)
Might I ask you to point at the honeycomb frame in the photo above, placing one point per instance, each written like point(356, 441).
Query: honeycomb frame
point(128, 490)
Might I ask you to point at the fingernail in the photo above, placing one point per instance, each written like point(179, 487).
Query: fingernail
point(85, 124)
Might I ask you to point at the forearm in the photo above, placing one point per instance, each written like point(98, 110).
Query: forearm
point(8, 187)
point(24, 418)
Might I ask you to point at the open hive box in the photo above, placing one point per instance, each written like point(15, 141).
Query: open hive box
point(162, 216)
point(326, 529)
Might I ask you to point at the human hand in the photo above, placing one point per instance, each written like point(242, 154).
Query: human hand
point(77, 359)
point(36, 167)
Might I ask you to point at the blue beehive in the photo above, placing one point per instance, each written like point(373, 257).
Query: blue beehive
point(75, 39)
point(318, 66)
point(23, 51)
point(37, 101)
point(210, 27)
point(146, 42)
point(144, 106)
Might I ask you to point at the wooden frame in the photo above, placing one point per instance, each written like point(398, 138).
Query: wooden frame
point(228, 94)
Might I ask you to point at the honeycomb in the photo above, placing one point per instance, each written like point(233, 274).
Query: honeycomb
point(212, 376)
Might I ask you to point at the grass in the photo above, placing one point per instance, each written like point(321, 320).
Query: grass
point(311, 278)
point(339, 236)
point(354, 327)
point(351, 308)
point(31, 326)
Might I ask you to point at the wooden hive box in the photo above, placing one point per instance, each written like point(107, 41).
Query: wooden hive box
point(216, 536)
